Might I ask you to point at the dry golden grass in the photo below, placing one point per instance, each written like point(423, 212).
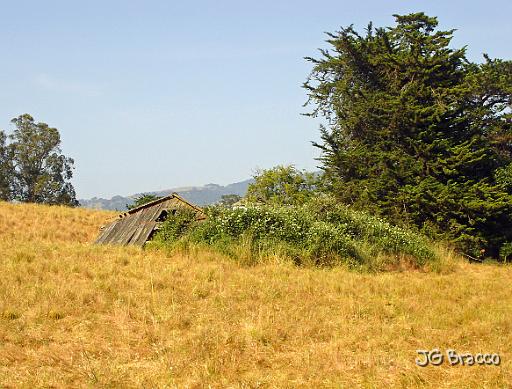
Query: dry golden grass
point(74, 315)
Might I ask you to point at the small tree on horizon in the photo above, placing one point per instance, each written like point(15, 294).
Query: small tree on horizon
point(228, 200)
point(32, 166)
point(282, 185)
point(143, 199)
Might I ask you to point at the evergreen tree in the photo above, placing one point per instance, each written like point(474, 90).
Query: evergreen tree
point(417, 132)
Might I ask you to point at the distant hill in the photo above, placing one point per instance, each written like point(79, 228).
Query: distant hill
point(200, 195)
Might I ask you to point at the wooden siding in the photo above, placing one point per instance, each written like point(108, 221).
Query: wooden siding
point(136, 226)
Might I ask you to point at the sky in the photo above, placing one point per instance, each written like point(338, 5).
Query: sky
point(151, 95)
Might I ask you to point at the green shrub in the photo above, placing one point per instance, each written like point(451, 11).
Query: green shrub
point(506, 251)
point(321, 233)
point(175, 226)
point(379, 234)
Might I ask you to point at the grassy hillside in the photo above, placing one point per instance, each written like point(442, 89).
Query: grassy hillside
point(72, 314)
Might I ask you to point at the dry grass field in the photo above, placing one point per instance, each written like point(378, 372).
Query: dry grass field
point(77, 315)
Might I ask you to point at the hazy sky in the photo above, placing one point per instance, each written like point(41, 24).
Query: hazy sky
point(150, 95)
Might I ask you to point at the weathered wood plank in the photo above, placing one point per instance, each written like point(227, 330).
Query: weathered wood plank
point(128, 226)
point(113, 231)
point(143, 233)
point(103, 236)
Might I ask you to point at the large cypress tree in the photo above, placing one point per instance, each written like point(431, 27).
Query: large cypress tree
point(417, 132)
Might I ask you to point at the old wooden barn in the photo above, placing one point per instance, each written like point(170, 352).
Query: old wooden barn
point(137, 225)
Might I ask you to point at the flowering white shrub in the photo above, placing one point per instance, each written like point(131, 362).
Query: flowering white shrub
point(316, 233)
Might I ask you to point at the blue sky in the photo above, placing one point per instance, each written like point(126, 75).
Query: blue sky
point(151, 95)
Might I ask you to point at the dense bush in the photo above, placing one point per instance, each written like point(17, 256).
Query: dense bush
point(176, 226)
point(321, 233)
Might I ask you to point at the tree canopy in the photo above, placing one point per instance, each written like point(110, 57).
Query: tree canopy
point(6, 170)
point(282, 185)
point(228, 200)
point(417, 132)
point(143, 199)
point(32, 166)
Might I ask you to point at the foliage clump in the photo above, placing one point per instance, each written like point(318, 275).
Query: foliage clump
point(176, 225)
point(228, 200)
point(282, 185)
point(142, 199)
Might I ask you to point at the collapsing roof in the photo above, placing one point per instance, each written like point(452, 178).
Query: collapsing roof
point(137, 225)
